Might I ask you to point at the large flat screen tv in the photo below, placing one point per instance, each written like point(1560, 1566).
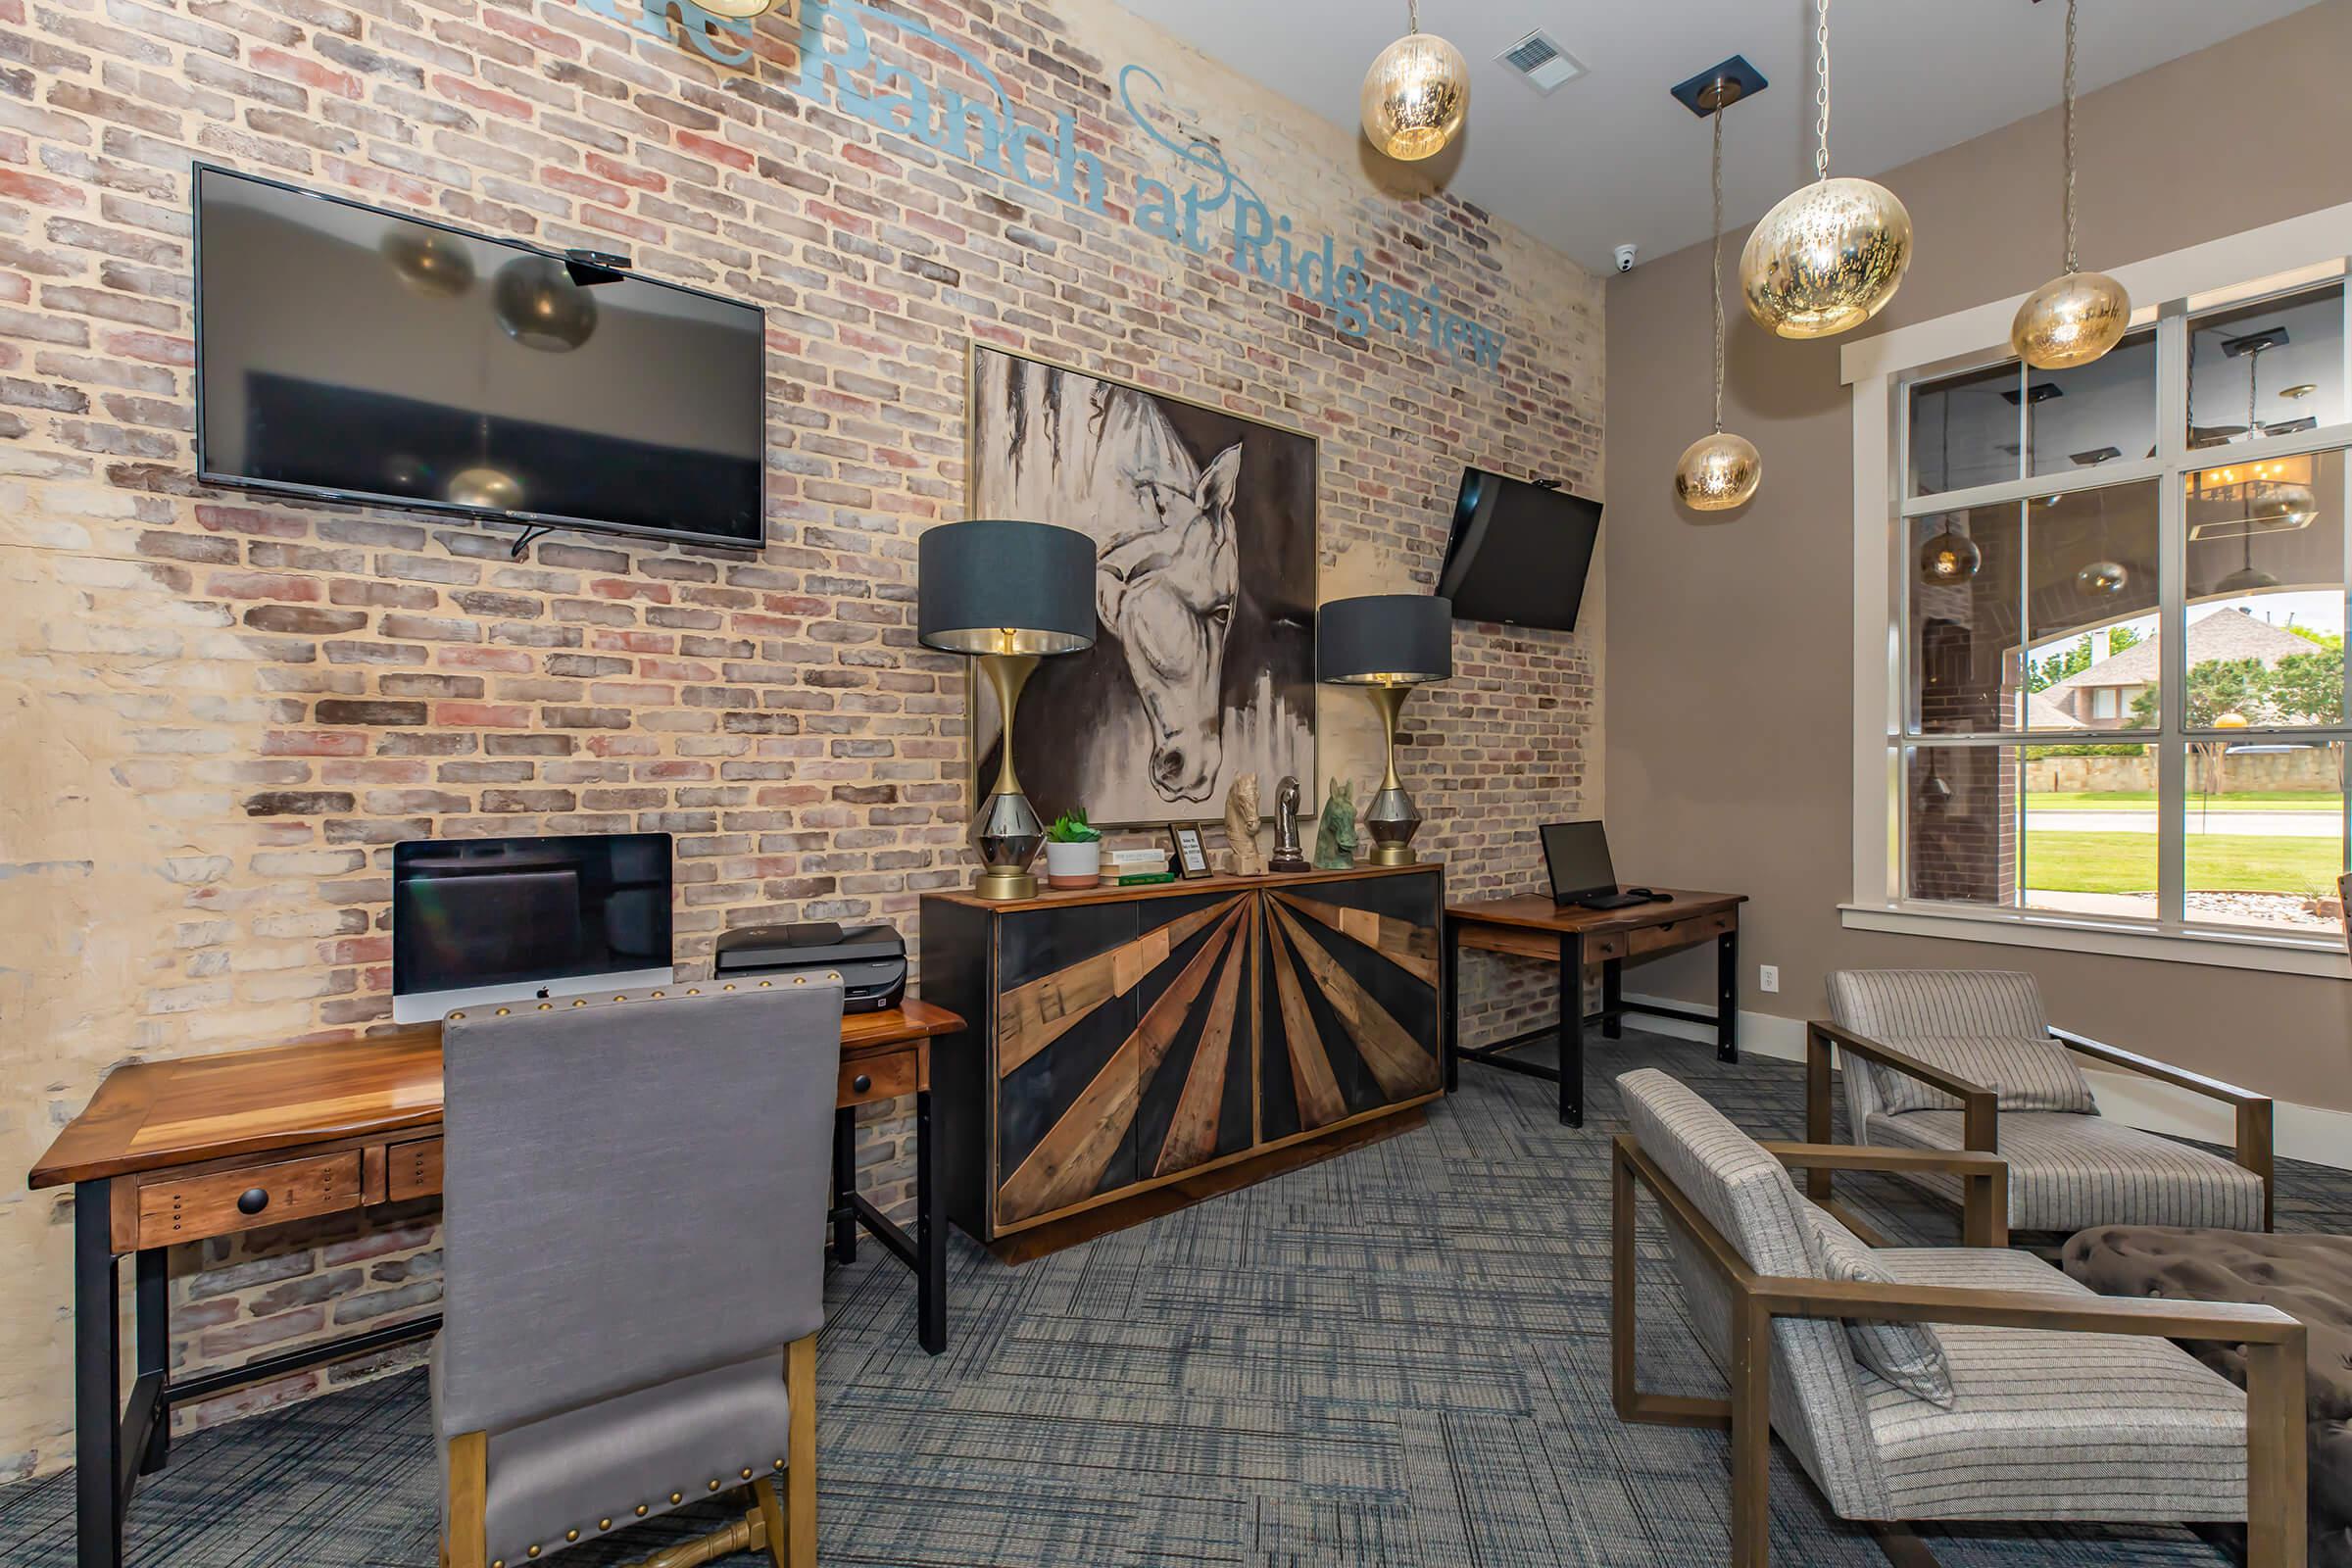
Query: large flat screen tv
point(348, 354)
point(1519, 551)
point(483, 920)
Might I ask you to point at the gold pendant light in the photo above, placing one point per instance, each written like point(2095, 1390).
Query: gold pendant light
point(1831, 254)
point(1416, 94)
point(2077, 317)
point(1721, 470)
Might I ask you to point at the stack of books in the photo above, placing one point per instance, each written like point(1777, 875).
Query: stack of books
point(1134, 867)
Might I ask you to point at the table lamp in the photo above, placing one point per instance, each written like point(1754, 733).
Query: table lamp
point(1008, 593)
point(1387, 644)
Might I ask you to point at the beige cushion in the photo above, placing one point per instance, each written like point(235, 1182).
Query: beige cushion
point(2067, 1172)
point(2024, 1074)
point(1908, 1355)
point(2050, 1426)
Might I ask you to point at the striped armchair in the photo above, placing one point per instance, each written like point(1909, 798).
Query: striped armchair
point(1963, 1384)
point(1967, 1060)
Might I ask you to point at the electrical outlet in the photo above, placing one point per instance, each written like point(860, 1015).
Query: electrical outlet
point(1768, 977)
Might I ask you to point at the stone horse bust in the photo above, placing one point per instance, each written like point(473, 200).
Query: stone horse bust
point(1335, 835)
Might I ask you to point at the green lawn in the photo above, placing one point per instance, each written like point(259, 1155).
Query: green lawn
point(2126, 800)
point(2126, 863)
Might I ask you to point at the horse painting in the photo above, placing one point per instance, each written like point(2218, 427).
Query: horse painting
point(1203, 530)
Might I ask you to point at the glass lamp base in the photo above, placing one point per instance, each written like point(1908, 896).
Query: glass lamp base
point(1007, 834)
point(1393, 820)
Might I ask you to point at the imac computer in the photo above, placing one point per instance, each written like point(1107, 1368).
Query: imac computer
point(476, 921)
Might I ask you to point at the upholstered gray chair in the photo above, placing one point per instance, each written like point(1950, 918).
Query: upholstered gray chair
point(634, 1193)
point(1966, 1384)
point(1951, 1058)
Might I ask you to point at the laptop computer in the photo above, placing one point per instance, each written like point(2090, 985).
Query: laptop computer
point(1576, 854)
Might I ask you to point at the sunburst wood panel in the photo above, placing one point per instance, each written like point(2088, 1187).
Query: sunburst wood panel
point(1089, 1147)
point(1349, 1013)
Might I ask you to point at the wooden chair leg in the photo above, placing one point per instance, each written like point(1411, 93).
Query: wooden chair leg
point(800, 1468)
point(1751, 1432)
point(1622, 1339)
point(468, 1494)
point(2278, 1482)
point(772, 1518)
point(1817, 1108)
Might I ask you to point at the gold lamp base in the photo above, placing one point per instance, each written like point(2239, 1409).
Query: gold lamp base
point(1392, 855)
point(1002, 885)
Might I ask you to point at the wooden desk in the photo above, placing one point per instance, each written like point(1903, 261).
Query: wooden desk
point(168, 1152)
point(1533, 927)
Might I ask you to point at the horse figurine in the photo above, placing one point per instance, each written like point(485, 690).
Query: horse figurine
point(1335, 835)
point(1240, 826)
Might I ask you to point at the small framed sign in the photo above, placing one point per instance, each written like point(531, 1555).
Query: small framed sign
point(1192, 857)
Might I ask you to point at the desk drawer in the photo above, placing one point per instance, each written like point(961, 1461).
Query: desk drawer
point(193, 1207)
point(885, 1075)
point(1682, 933)
point(413, 1169)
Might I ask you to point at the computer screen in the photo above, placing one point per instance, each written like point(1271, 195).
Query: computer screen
point(1577, 854)
point(479, 919)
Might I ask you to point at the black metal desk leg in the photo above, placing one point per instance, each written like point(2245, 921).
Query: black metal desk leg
point(97, 1381)
point(154, 1312)
point(845, 1182)
point(1572, 1029)
point(1727, 996)
point(930, 1237)
point(1449, 1027)
point(1612, 998)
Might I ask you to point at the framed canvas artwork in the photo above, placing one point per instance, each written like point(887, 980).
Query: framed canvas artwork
point(1203, 525)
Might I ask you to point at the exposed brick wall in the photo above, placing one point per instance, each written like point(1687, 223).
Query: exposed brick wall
point(222, 712)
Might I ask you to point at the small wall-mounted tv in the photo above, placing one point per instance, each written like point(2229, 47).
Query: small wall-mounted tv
point(1519, 551)
point(344, 353)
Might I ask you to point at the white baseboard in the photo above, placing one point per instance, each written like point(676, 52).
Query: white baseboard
point(2298, 1132)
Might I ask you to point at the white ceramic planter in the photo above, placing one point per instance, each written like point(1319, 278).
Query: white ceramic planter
point(1074, 866)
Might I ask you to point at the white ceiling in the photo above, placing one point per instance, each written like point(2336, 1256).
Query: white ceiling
point(1610, 159)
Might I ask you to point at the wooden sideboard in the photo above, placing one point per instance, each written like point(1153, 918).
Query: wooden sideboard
point(1131, 1037)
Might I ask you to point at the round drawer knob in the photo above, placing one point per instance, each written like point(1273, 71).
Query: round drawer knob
point(861, 1083)
point(252, 1200)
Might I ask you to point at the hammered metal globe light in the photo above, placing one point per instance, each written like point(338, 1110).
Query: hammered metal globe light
point(2078, 317)
point(1830, 255)
point(1416, 94)
point(435, 265)
point(1949, 559)
point(488, 488)
point(540, 307)
point(2103, 579)
point(1719, 470)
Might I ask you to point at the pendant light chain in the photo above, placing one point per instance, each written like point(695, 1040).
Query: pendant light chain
point(1821, 93)
point(2070, 137)
point(1413, 9)
point(1715, 254)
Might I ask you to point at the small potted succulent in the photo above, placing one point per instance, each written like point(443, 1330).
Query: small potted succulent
point(1073, 852)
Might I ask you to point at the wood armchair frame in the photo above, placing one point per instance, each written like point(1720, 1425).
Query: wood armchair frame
point(778, 1519)
point(1980, 1107)
point(2277, 1464)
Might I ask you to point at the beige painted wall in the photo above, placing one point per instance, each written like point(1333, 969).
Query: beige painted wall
point(1729, 666)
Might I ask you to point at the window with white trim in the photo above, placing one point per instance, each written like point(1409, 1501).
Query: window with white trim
point(2115, 605)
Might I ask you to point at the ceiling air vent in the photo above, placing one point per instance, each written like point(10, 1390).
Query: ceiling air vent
point(1542, 62)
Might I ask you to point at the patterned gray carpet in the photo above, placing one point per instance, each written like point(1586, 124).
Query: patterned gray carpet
point(1396, 1359)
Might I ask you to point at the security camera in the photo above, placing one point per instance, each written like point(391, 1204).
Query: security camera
point(1625, 256)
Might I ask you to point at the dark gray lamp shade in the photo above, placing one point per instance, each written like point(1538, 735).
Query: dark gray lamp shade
point(991, 587)
point(1385, 640)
